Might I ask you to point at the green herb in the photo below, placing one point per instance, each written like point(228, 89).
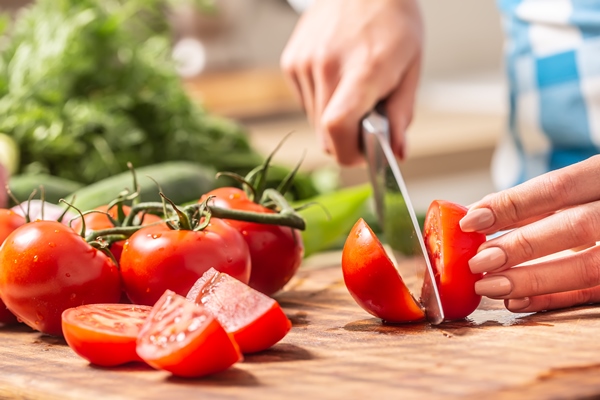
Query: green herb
point(89, 85)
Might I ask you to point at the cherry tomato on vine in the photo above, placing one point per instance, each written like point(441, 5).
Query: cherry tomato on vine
point(372, 279)
point(158, 258)
point(449, 250)
point(256, 321)
point(276, 251)
point(46, 267)
point(98, 221)
point(104, 334)
point(185, 339)
point(9, 221)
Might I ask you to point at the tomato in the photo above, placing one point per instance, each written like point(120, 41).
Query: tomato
point(158, 258)
point(372, 279)
point(276, 251)
point(449, 250)
point(104, 334)
point(185, 339)
point(46, 267)
point(9, 221)
point(256, 321)
point(98, 221)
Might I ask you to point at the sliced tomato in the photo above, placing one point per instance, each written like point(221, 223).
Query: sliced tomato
point(372, 279)
point(104, 334)
point(449, 250)
point(185, 339)
point(256, 321)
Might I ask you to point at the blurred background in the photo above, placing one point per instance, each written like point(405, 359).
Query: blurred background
point(229, 61)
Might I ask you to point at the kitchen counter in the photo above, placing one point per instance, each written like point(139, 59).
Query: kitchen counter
point(337, 351)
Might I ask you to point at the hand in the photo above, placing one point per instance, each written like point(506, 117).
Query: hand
point(556, 211)
point(346, 55)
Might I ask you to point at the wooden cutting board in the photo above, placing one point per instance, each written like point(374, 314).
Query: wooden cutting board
point(337, 351)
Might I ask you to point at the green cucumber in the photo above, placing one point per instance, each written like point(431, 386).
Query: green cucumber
point(55, 188)
point(180, 181)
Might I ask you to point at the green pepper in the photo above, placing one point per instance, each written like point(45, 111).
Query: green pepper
point(325, 229)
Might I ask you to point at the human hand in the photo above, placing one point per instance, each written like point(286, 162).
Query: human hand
point(346, 55)
point(556, 211)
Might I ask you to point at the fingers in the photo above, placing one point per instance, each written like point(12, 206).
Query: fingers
point(400, 105)
point(573, 272)
point(568, 229)
point(554, 301)
point(567, 187)
point(353, 98)
point(340, 73)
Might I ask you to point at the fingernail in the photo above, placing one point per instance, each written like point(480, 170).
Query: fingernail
point(518, 304)
point(476, 220)
point(493, 286)
point(487, 260)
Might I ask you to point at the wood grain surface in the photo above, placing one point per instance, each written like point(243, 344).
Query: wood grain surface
point(337, 351)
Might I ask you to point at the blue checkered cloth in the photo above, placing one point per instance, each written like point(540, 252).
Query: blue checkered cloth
point(553, 67)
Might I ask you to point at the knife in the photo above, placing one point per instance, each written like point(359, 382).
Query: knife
point(396, 216)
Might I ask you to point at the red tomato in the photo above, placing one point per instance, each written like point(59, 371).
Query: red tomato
point(276, 251)
point(46, 267)
point(98, 221)
point(372, 279)
point(104, 334)
point(9, 221)
point(449, 250)
point(256, 321)
point(185, 339)
point(158, 258)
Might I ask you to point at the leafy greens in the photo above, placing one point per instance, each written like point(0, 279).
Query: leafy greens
point(88, 85)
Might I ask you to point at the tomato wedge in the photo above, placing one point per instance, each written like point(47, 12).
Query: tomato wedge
point(449, 250)
point(373, 281)
point(185, 339)
point(256, 321)
point(104, 334)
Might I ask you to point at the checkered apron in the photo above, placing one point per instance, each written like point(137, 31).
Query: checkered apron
point(553, 67)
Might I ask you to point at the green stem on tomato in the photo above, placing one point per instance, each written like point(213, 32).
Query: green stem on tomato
point(123, 231)
point(147, 207)
point(288, 181)
point(184, 221)
point(286, 216)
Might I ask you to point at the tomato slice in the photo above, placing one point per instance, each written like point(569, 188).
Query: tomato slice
point(372, 278)
point(104, 334)
point(256, 321)
point(449, 250)
point(185, 339)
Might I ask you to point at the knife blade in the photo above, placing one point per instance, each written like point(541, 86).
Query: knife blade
point(396, 216)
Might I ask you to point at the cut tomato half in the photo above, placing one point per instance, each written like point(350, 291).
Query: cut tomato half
point(449, 250)
point(185, 339)
point(372, 278)
point(104, 334)
point(256, 321)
